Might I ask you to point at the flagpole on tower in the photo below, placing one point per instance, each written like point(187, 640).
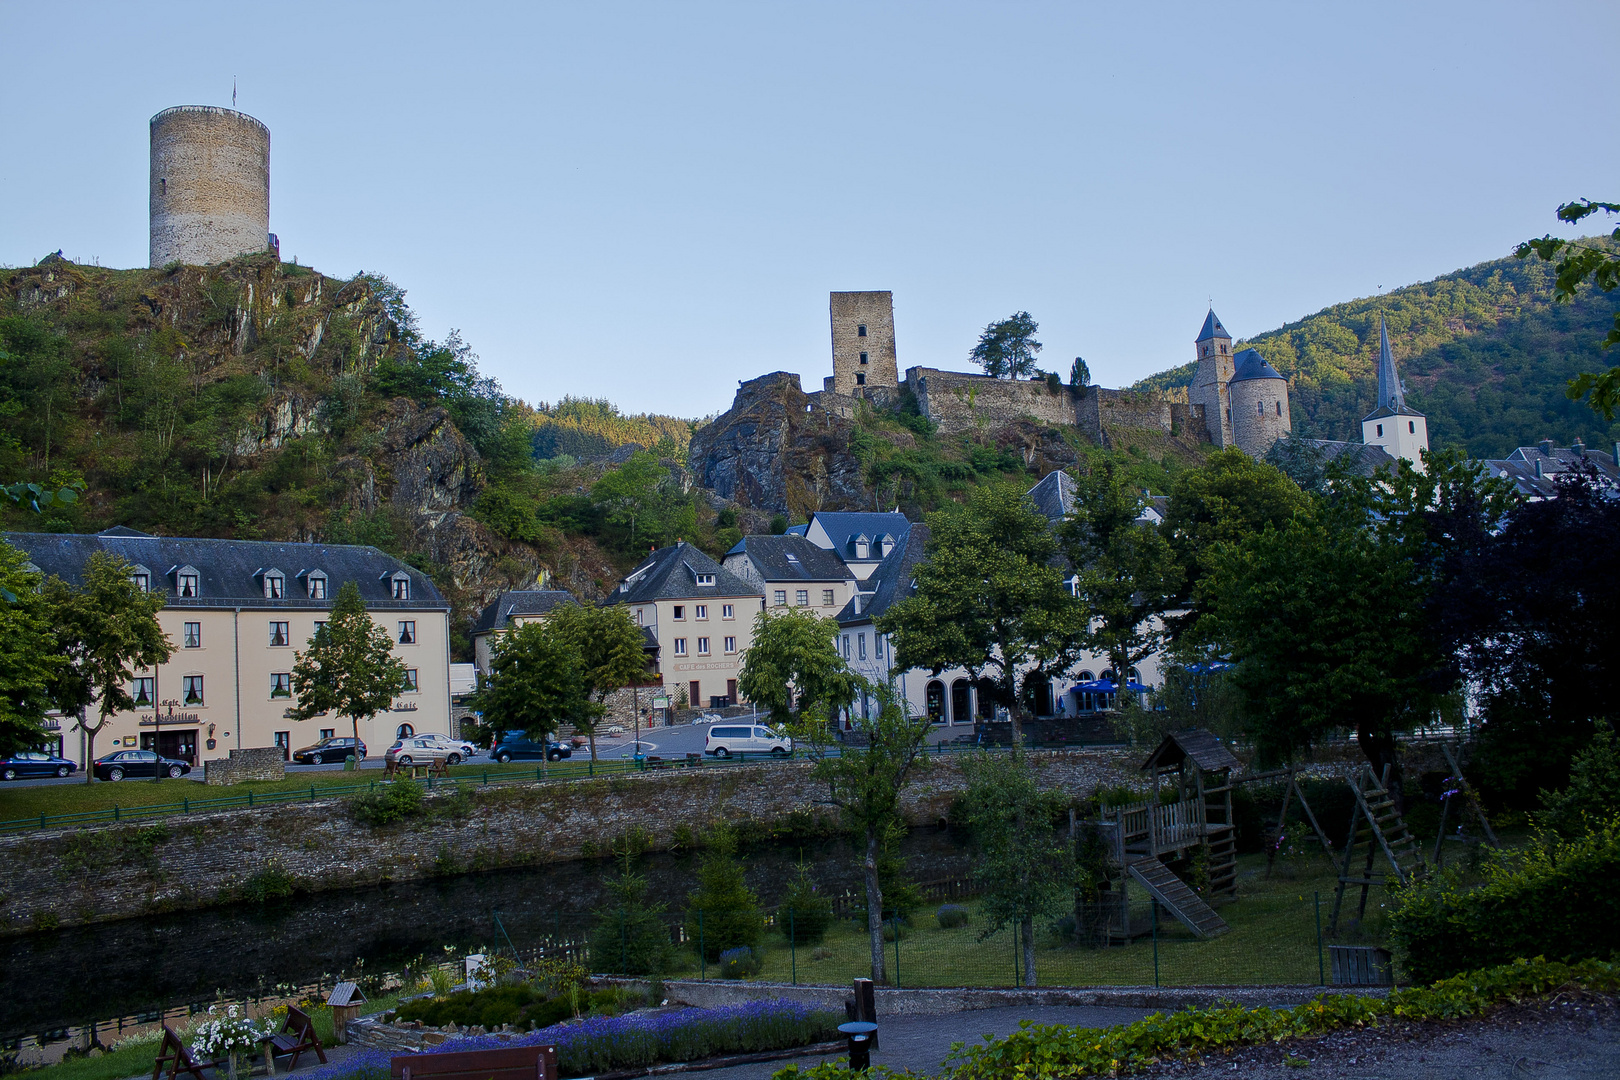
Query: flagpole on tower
point(233, 91)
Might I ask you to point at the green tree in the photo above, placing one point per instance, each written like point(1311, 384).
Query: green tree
point(610, 653)
point(630, 935)
point(1229, 499)
point(633, 495)
point(864, 781)
point(793, 668)
point(1578, 261)
point(1126, 573)
point(806, 913)
point(723, 912)
point(1007, 349)
point(536, 683)
point(1024, 866)
point(989, 598)
point(1079, 374)
point(29, 655)
point(106, 630)
point(349, 668)
point(1593, 794)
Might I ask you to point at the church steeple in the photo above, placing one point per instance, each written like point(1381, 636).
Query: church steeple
point(1213, 352)
point(1391, 392)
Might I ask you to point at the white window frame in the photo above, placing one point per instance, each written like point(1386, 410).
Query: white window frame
point(700, 611)
point(828, 597)
point(275, 585)
point(187, 583)
point(400, 586)
point(680, 646)
point(731, 646)
point(727, 611)
point(780, 597)
point(703, 646)
point(801, 597)
point(678, 613)
point(316, 584)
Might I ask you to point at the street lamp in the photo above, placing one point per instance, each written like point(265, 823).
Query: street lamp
point(157, 732)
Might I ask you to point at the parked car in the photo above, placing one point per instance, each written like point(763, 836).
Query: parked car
point(332, 748)
point(460, 746)
point(33, 763)
point(724, 740)
point(415, 749)
point(516, 746)
point(139, 763)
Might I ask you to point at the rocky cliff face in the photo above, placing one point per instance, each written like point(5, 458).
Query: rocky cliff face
point(773, 450)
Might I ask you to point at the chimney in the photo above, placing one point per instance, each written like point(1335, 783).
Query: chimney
point(1579, 446)
point(1538, 468)
point(1546, 447)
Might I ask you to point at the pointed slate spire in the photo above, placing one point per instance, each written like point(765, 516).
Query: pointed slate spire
point(1212, 329)
point(1391, 394)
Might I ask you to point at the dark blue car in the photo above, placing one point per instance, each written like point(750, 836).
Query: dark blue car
point(32, 763)
point(516, 746)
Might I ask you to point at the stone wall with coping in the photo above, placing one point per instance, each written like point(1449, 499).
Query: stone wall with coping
point(70, 877)
point(958, 402)
point(254, 763)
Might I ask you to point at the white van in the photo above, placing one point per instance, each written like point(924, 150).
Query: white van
point(727, 739)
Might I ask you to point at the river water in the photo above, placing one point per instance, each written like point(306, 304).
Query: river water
point(67, 979)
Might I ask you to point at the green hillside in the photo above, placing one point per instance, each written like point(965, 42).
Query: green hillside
point(1484, 351)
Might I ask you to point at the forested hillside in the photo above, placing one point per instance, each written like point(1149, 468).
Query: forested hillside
point(1484, 351)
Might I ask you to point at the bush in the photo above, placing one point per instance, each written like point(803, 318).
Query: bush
point(399, 800)
point(520, 1006)
point(805, 914)
point(1555, 899)
point(740, 963)
point(951, 916)
point(1060, 1050)
point(631, 936)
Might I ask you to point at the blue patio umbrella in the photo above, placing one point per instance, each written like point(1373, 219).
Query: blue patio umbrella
point(1106, 686)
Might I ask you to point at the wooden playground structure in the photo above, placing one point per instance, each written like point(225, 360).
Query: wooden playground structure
point(1198, 826)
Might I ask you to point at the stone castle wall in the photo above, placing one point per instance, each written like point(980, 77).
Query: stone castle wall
point(1101, 413)
point(254, 763)
point(210, 185)
point(960, 402)
point(1260, 414)
point(70, 877)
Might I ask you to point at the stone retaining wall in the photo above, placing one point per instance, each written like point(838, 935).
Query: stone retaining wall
point(76, 876)
point(254, 763)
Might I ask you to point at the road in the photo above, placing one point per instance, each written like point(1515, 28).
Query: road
point(668, 742)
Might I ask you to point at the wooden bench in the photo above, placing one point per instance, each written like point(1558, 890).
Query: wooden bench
point(505, 1063)
point(297, 1038)
point(173, 1053)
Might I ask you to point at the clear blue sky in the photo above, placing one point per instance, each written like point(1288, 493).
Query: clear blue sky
point(649, 202)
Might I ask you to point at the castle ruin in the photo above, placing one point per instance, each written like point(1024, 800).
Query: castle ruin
point(210, 186)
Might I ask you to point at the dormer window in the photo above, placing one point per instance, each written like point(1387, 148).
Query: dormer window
point(141, 578)
point(315, 581)
point(706, 580)
point(187, 582)
point(863, 548)
point(399, 585)
point(275, 585)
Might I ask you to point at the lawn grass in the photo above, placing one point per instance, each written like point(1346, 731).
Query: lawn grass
point(24, 803)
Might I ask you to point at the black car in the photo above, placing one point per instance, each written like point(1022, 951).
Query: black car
point(516, 746)
point(331, 748)
point(139, 763)
point(33, 763)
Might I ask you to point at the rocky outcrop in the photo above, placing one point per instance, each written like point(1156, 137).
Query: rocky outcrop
point(775, 450)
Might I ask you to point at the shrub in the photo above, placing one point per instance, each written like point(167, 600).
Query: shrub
point(951, 916)
point(398, 800)
point(805, 914)
point(722, 912)
point(630, 936)
point(740, 963)
point(1060, 1050)
point(1554, 899)
point(520, 1006)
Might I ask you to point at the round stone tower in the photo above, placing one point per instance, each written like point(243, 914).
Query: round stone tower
point(1259, 400)
point(210, 197)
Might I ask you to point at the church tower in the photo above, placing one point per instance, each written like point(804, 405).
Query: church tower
point(1210, 381)
point(1402, 431)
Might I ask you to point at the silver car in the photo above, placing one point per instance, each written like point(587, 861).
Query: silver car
point(421, 749)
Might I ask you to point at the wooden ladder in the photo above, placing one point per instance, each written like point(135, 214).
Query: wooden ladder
point(1177, 898)
point(1220, 840)
point(1386, 831)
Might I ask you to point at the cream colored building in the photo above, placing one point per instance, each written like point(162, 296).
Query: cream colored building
point(237, 613)
point(701, 617)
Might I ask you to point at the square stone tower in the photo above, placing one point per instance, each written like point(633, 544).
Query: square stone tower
point(862, 342)
point(1211, 378)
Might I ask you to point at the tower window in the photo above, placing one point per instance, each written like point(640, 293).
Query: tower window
point(1411, 426)
point(1279, 408)
point(165, 186)
point(863, 358)
point(1260, 408)
point(860, 331)
point(1380, 431)
point(1223, 350)
point(860, 378)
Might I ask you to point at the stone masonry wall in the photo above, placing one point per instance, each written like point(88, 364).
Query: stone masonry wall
point(210, 185)
point(77, 876)
point(255, 763)
point(960, 402)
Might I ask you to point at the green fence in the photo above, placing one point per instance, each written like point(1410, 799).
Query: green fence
point(1274, 941)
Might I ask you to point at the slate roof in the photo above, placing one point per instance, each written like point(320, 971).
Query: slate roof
point(1520, 467)
point(844, 528)
point(1391, 391)
point(791, 558)
point(229, 570)
point(520, 602)
point(892, 577)
point(1202, 747)
point(671, 574)
point(1054, 495)
point(1367, 458)
point(1212, 329)
point(1251, 365)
